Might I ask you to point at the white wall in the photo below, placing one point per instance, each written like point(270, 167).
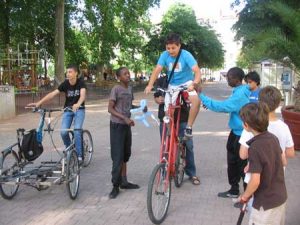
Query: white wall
point(7, 102)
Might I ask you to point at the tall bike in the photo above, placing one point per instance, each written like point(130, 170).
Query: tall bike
point(171, 161)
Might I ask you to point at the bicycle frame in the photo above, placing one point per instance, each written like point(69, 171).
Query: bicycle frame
point(170, 136)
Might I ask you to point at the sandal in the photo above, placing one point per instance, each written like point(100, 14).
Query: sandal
point(195, 180)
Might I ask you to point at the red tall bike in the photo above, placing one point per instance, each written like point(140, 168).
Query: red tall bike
point(171, 161)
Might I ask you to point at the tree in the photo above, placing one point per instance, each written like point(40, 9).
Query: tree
point(271, 28)
point(199, 39)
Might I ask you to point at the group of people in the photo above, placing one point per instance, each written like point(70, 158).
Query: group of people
point(258, 143)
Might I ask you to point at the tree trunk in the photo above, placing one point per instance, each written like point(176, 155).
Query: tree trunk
point(59, 41)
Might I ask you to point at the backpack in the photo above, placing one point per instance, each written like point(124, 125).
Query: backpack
point(30, 147)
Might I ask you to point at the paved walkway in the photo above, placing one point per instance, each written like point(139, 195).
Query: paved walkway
point(198, 205)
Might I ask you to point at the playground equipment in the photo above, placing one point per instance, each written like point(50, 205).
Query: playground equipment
point(18, 67)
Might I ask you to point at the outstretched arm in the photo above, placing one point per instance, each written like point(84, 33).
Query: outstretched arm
point(47, 98)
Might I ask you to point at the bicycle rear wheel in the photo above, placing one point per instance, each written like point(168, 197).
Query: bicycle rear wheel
point(73, 177)
point(159, 194)
point(179, 165)
point(88, 147)
point(9, 173)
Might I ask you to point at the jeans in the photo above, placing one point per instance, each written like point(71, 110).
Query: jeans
point(190, 168)
point(66, 123)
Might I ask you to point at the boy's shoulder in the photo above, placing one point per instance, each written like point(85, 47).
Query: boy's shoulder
point(277, 125)
point(263, 140)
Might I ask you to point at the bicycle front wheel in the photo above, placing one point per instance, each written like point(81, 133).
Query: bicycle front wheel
point(9, 176)
point(73, 177)
point(88, 147)
point(159, 194)
point(179, 165)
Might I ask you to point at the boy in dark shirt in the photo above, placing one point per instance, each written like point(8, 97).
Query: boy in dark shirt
point(120, 103)
point(75, 92)
point(265, 165)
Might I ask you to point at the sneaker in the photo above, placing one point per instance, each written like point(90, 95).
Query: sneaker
point(80, 160)
point(129, 186)
point(229, 194)
point(188, 132)
point(114, 192)
point(238, 205)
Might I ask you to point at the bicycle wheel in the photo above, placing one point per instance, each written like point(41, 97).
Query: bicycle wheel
point(73, 177)
point(179, 165)
point(88, 147)
point(159, 194)
point(10, 169)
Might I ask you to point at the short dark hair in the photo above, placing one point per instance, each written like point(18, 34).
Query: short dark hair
point(256, 115)
point(254, 76)
point(74, 67)
point(173, 38)
point(271, 96)
point(118, 71)
point(236, 73)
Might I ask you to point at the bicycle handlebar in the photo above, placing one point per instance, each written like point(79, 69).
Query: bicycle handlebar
point(180, 88)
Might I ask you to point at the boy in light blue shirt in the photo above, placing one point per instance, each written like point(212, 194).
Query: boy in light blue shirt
point(232, 105)
point(186, 73)
point(253, 80)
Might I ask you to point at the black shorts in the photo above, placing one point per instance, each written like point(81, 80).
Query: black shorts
point(120, 141)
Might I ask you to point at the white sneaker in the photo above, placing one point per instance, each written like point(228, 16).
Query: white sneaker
point(80, 160)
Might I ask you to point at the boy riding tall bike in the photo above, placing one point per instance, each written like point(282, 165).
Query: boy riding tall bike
point(186, 73)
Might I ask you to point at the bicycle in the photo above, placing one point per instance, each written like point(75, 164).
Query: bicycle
point(15, 163)
point(171, 161)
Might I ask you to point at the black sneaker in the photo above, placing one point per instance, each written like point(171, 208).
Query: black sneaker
point(238, 205)
point(129, 186)
point(188, 132)
point(114, 193)
point(229, 194)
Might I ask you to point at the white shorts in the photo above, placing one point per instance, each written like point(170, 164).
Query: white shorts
point(168, 99)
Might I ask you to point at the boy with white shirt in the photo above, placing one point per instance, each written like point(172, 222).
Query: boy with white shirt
point(271, 96)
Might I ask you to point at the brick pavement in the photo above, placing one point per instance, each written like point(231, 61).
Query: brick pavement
point(191, 205)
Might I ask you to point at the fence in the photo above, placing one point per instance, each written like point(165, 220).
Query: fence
point(93, 93)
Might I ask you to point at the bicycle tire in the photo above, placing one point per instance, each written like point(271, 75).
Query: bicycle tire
point(73, 177)
point(158, 178)
point(179, 165)
point(88, 147)
point(9, 194)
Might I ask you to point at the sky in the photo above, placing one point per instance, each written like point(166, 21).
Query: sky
point(218, 11)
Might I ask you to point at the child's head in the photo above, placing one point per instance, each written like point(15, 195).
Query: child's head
point(123, 74)
point(72, 71)
point(253, 79)
point(271, 96)
point(235, 76)
point(173, 44)
point(255, 116)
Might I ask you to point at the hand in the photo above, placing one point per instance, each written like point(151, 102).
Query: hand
point(75, 107)
point(34, 104)
point(148, 89)
point(198, 88)
point(242, 199)
point(145, 109)
point(191, 87)
point(246, 168)
point(129, 122)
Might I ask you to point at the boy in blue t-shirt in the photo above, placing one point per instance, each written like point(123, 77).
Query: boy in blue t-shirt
point(186, 73)
point(253, 80)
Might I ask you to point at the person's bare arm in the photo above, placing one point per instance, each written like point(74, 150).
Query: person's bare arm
point(197, 73)
point(47, 98)
point(251, 186)
point(153, 78)
point(111, 110)
point(80, 100)
point(243, 152)
point(290, 152)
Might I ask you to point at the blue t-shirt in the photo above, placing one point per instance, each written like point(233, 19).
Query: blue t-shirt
point(254, 95)
point(183, 71)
